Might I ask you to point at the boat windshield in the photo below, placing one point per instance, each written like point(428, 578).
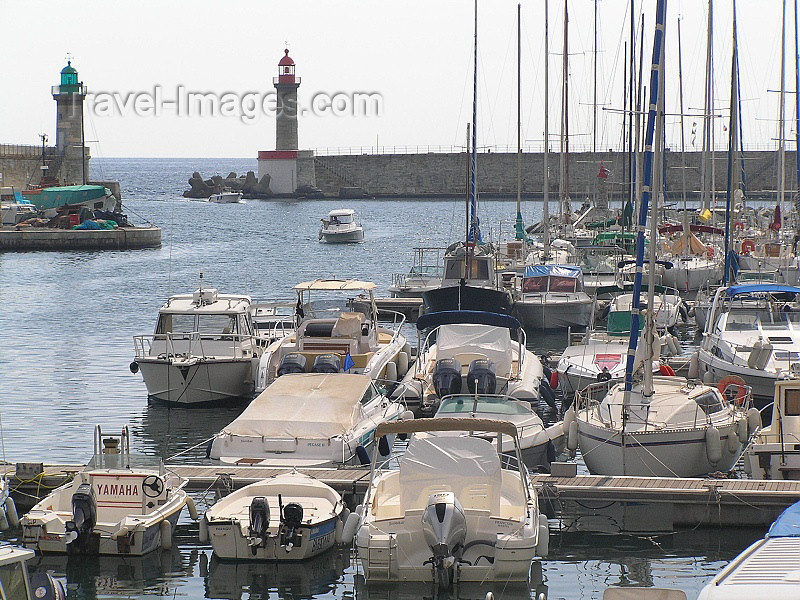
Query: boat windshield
point(498, 405)
point(709, 402)
point(13, 581)
point(209, 324)
point(754, 319)
point(122, 461)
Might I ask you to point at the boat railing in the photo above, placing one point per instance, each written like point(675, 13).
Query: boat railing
point(398, 319)
point(195, 343)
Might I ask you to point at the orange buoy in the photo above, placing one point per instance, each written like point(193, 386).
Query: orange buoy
point(730, 385)
point(748, 246)
point(666, 371)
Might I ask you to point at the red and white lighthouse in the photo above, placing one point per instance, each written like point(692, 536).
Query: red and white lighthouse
point(286, 84)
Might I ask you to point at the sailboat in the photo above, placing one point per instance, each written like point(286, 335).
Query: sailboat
point(469, 281)
point(657, 426)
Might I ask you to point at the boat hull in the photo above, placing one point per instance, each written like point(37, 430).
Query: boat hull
point(607, 451)
point(343, 237)
point(761, 382)
point(774, 461)
point(197, 381)
point(534, 314)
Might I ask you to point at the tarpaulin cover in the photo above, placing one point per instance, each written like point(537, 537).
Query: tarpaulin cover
point(787, 524)
point(69, 194)
point(558, 270)
point(304, 405)
point(492, 342)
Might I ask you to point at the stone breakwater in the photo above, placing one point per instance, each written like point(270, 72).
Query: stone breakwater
point(248, 184)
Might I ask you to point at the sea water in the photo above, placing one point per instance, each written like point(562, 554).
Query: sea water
point(66, 339)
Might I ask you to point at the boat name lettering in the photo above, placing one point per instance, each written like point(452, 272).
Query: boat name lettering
point(315, 444)
point(117, 489)
point(322, 542)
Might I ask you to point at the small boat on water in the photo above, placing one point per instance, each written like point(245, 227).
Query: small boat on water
point(204, 350)
point(17, 584)
point(226, 197)
point(552, 297)
point(774, 452)
point(471, 351)
point(752, 331)
point(291, 516)
point(425, 274)
point(341, 227)
point(452, 511)
point(769, 568)
point(308, 420)
point(120, 504)
point(338, 330)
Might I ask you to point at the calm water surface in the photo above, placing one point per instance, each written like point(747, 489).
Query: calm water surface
point(66, 333)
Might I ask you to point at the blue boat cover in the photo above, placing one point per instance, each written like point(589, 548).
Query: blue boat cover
point(770, 288)
point(474, 317)
point(787, 524)
point(559, 270)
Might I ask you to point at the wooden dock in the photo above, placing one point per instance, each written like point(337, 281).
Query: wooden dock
point(580, 503)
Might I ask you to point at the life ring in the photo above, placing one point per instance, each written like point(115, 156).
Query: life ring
point(728, 384)
point(738, 225)
point(748, 246)
point(710, 251)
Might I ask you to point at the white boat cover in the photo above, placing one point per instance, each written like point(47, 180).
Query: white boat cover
point(304, 405)
point(493, 342)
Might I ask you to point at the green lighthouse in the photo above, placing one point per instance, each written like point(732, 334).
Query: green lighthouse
point(69, 97)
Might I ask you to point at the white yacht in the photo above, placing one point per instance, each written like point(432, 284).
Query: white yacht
point(551, 296)
point(774, 452)
point(454, 511)
point(767, 569)
point(341, 227)
point(290, 516)
point(226, 197)
point(120, 504)
point(469, 352)
point(752, 331)
point(204, 350)
point(332, 335)
point(308, 420)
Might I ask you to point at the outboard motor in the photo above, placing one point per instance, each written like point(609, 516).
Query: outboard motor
point(291, 519)
point(445, 529)
point(294, 362)
point(447, 377)
point(482, 377)
point(259, 523)
point(84, 518)
point(326, 363)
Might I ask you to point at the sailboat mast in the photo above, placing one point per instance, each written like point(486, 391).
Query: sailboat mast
point(565, 208)
point(656, 75)
point(594, 79)
point(781, 118)
point(732, 139)
point(683, 134)
point(520, 230)
point(474, 229)
point(546, 204)
point(797, 105)
point(707, 102)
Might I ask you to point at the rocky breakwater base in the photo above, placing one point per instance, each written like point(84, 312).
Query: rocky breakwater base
point(250, 187)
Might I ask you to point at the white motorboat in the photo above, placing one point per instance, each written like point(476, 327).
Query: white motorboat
point(552, 297)
point(308, 419)
point(752, 331)
point(204, 350)
point(668, 306)
point(331, 337)
point(767, 569)
point(774, 452)
point(471, 351)
point(17, 584)
point(425, 274)
point(341, 227)
point(120, 504)
point(668, 428)
point(14, 208)
point(454, 511)
point(538, 444)
point(226, 197)
point(291, 516)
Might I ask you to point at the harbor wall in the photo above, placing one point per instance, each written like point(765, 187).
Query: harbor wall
point(445, 174)
point(20, 165)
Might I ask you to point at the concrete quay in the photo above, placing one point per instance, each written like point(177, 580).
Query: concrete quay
point(122, 238)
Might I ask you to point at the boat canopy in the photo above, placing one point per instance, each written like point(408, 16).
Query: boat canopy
point(557, 270)
point(336, 285)
point(494, 343)
point(446, 424)
point(476, 317)
point(763, 288)
point(304, 405)
point(342, 212)
point(787, 524)
point(68, 194)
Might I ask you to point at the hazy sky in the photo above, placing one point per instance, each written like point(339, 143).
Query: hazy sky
point(416, 56)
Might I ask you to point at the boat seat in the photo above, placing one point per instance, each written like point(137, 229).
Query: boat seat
point(348, 325)
point(317, 328)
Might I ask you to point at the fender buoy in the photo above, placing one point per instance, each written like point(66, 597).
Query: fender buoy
point(202, 530)
point(694, 366)
point(710, 251)
point(362, 454)
point(733, 445)
point(753, 420)
point(730, 385)
point(666, 371)
point(11, 512)
point(546, 393)
point(192, 508)
point(166, 534)
point(402, 363)
point(748, 246)
point(741, 430)
point(572, 437)
point(553, 380)
point(383, 446)
point(543, 539)
point(713, 445)
point(337, 534)
point(350, 527)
